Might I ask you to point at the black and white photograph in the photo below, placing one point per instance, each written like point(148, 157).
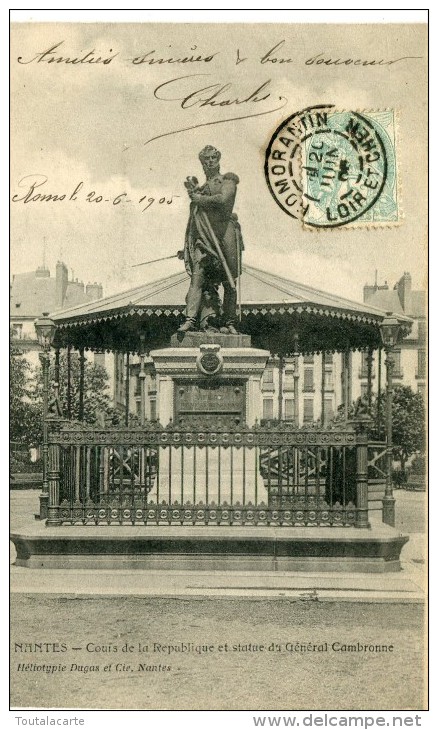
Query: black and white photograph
point(218, 364)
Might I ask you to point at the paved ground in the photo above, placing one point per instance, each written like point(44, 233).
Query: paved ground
point(410, 511)
point(282, 654)
point(406, 586)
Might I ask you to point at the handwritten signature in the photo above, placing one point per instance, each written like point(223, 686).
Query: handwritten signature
point(214, 95)
point(31, 182)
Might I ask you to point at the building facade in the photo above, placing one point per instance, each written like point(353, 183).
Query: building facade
point(303, 389)
point(36, 292)
point(131, 393)
point(411, 356)
point(321, 384)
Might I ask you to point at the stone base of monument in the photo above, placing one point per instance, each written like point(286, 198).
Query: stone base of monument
point(195, 339)
point(210, 548)
point(213, 378)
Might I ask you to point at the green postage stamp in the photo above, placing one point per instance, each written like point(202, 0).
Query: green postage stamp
point(342, 166)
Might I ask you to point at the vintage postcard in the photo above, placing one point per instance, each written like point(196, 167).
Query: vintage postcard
point(218, 366)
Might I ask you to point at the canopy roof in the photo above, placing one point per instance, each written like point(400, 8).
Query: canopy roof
point(274, 310)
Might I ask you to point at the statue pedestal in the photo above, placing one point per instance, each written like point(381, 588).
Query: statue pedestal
point(211, 377)
point(196, 339)
point(210, 382)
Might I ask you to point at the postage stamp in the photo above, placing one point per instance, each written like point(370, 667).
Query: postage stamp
point(334, 169)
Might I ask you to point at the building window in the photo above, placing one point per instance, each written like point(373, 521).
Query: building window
point(308, 410)
point(329, 358)
point(421, 366)
point(121, 367)
point(328, 380)
point(328, 409)
point(308, 359)
point(288, 380)
point(421, 332)
point(268, 375)
point(17, 331)
point(153, 403)
point(99, 359)
point(288, 409)
point(268, 408)
point(363, 371)
point(364, 391)
point(396, 358)
point(268, 379)
point(308, 379)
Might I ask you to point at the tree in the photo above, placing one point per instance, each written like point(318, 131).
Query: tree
point(96, 392)
point(408, 422)
point(20, 405)
point(96, 387)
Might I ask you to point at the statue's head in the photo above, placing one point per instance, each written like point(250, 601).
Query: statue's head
point(210, 159)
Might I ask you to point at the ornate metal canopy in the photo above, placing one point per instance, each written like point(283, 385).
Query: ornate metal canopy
point(276, 312)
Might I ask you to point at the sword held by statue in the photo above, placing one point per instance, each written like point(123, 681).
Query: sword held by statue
point(191, 185)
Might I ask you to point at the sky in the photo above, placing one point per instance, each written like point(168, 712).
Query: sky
point(88, 123)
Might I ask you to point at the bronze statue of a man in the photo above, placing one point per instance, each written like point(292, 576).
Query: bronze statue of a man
point(213, 248)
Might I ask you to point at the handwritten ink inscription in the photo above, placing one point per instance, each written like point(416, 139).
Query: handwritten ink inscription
point(32, 193)
point(198, 92)
point(49, 56)
point(278, 54)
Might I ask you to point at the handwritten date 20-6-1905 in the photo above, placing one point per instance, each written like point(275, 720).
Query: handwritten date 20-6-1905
point(34, 190)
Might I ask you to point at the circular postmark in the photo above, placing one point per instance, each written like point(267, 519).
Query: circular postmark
point(326, 167)
point(283, 160)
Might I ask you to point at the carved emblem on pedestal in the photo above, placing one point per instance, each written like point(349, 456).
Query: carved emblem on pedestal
point(209, 360)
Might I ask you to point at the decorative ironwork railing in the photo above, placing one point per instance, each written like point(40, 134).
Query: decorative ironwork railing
point(377, 462)
point(264, 475)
